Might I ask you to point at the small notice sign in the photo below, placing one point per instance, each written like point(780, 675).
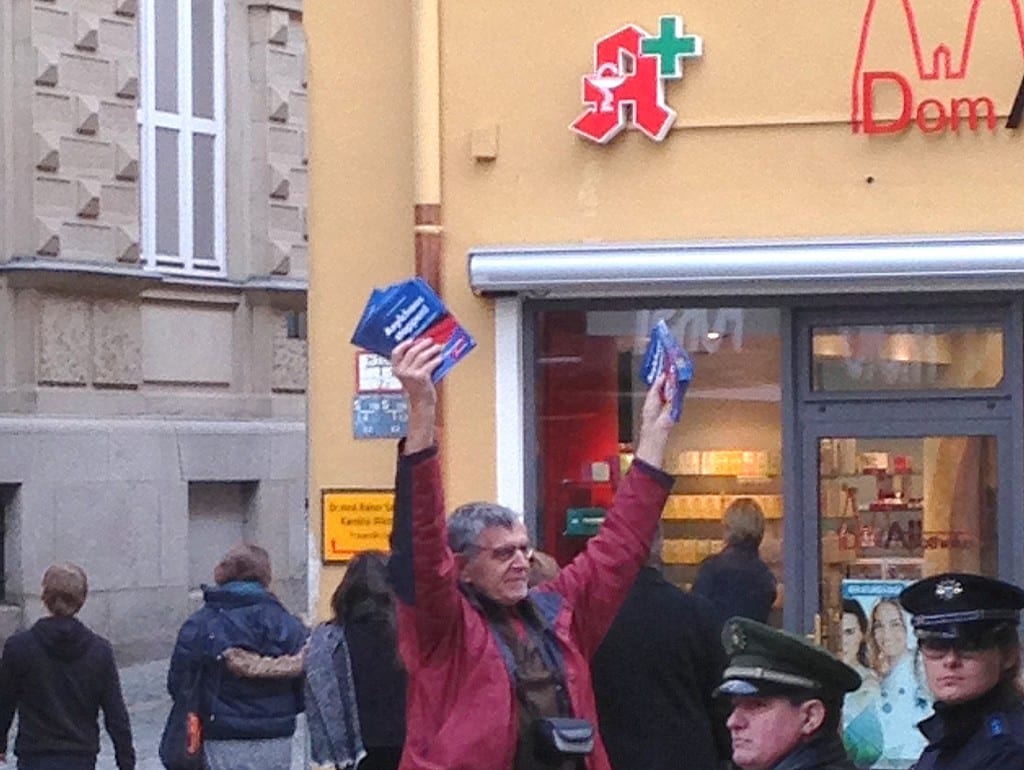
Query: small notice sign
point(379, 415)
point(355, 520)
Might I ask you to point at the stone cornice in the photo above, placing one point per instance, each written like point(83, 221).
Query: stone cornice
point(294, 6)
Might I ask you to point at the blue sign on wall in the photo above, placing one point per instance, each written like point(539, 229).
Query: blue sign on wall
point(379, 415)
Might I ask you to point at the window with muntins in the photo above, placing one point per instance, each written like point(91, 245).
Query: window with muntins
point(181, 127)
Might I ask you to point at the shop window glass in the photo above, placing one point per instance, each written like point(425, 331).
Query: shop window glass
point(907, 357)
point(894, 510)
point(589, 396)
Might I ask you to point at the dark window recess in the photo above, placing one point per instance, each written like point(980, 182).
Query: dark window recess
point(7, 493)
point(626, 397)
point(296, 322)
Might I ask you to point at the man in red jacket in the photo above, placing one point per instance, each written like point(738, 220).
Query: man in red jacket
point(490, 661)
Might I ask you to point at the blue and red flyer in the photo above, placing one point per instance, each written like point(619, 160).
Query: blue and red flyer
point(408, 310)
point(665, 354)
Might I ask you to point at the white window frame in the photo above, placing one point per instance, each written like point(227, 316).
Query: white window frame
point(186, 124)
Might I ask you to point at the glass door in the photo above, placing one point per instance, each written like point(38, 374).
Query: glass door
point(896, 501)
point(892, 510)
point(906, 426)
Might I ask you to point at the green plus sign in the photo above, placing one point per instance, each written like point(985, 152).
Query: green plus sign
point(671, 45)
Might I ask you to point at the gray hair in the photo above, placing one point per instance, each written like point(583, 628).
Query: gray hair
point(469, 520)
point(744, 522)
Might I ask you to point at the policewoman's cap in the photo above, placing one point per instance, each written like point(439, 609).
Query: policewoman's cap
point(953, 603)
point(766, 661)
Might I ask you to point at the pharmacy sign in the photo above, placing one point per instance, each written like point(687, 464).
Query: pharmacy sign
point(627, 84)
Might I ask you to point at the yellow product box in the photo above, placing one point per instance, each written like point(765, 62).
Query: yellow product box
point(688, 463)
point(671, 552)
point(688, 552)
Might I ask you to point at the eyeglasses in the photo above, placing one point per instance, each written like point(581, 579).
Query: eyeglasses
point(505, 553)
point(966, 648)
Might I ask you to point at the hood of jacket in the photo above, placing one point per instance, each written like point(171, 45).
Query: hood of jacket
point(63, 638)
point(239, 593)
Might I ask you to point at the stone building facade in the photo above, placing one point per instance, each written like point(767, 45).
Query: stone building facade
point(153, 278)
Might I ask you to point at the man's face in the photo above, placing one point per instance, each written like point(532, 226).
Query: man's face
point(956, 676)
point(499, 565)
point(765, 730)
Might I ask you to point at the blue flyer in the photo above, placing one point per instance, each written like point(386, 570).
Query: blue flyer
point(408, 310)
point(664, 354)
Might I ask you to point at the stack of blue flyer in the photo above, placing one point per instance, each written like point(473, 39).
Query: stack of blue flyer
point(408, 310)
point(665, 354)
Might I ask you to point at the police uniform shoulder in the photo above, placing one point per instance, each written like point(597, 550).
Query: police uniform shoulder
point(767, 660)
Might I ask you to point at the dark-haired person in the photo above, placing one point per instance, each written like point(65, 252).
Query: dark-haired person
point(57, 675)
point(966, 628)
point(355, 683)
point(248, 722)
point(491, 661)
point(862, 728)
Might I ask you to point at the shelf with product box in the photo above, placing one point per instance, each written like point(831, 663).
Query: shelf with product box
point(871, 504)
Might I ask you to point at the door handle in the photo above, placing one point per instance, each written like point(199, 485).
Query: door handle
point(817, 636)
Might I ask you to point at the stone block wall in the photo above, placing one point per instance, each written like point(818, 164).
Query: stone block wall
point(77, 63)
point(120, 386)
point(85, 146)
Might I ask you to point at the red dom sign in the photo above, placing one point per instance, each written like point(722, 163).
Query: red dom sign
point(930, 115)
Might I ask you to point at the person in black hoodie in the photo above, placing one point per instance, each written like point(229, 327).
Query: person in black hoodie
point(57, 675)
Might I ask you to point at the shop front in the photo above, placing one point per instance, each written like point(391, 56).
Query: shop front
point(822, 202)
point(879, 432)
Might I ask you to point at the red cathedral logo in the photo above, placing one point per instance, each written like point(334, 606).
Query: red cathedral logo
point(934, 92)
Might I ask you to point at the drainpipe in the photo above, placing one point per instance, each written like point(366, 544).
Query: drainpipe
point(427, 141)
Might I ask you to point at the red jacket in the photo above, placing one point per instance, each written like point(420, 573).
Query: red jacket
point(461, 709)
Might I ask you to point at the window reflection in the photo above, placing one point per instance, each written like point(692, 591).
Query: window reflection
point(906, 357)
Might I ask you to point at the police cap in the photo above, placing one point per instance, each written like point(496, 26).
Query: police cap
point(954, 605)
point(766, 661)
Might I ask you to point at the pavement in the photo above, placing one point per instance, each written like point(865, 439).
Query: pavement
point(144, 686)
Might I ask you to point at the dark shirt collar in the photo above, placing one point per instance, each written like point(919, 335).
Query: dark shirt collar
point(819, 752)
point(953, 724)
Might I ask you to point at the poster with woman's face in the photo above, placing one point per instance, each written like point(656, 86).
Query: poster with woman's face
point(880, 718)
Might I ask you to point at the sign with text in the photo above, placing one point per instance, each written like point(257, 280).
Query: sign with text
point(937, 92)
point(627, 85)
point(355, 520)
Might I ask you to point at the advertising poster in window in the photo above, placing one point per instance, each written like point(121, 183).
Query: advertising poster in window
point(880, 719)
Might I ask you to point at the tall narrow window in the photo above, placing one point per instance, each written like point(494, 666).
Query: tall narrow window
point(181, 126)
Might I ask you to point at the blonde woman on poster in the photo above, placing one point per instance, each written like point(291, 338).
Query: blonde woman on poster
point(903, 700)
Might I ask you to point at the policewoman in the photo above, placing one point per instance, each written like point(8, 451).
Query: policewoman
point(966, 627)
point(787, 699)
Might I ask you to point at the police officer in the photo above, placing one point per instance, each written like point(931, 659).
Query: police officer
point(966, 627)
point(787, 698)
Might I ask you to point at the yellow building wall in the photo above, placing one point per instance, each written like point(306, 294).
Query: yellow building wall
point(763, 148)
point(763, 145)
point(361, 185)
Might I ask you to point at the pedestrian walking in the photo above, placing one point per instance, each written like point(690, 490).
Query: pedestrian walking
point(655, 675)
point(966, 628)
point(247, 722)
point(499, 673)
point(57, 676)
point(787, 698)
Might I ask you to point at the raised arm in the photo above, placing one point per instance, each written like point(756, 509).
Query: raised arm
point(596, 582)
point(421, 568)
